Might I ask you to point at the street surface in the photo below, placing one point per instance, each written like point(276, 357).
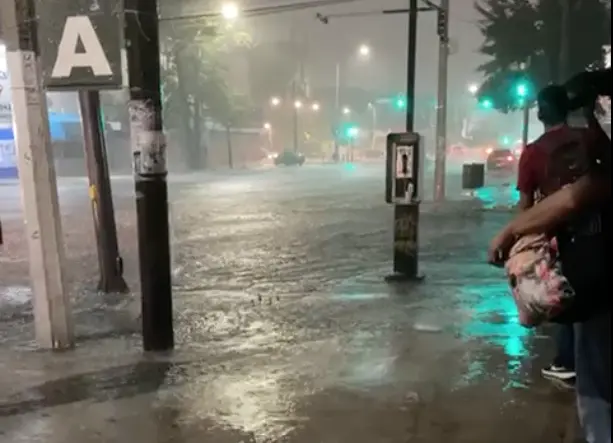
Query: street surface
point(286, 332)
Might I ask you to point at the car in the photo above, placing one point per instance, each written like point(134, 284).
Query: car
point(289, 158)
point(501, 160)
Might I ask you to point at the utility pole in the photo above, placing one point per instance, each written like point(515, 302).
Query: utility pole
point(52, 312)
point(525, 128)
point(411, 64)
point(337, 110)
point(295, 115)
point(109, 260)
point(406, 208)
point(441, 106)
point(150, 172)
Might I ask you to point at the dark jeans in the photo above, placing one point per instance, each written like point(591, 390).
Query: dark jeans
point(593, 363)
point(565, 357)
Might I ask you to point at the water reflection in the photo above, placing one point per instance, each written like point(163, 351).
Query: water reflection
point(495, 197)
point(371, 360)
point(495, 322)
point(254, 402)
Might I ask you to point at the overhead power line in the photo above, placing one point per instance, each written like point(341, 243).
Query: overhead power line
point(264, 10)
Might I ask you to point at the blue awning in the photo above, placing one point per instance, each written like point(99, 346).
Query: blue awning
point(56, 126)
point(6, 134)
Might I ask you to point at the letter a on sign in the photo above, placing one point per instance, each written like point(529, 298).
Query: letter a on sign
point(80, 29)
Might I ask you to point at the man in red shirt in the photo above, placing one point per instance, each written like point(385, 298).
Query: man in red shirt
point(533, 183)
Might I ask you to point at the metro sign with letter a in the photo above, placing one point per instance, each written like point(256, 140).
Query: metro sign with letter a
point(80, 44)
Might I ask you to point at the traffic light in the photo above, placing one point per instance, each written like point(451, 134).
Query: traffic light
point(505, 140)
point(522, 89)
point(352, 131)
point(441, 23)
point(487, 103)
point(400, 103)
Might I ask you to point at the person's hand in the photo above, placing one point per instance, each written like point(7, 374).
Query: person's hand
point(500, 246)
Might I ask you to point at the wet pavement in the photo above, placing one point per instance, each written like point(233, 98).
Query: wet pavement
point(286, 332)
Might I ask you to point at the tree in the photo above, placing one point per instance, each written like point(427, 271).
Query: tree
point(524, 40)
point(194, 80)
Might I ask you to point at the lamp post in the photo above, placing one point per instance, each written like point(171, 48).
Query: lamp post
point(268, 129)
point(364, 52)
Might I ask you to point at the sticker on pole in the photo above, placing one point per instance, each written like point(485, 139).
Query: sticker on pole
point(149, 153)
point(80, 44)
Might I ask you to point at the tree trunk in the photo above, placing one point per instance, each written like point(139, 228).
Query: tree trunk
point(563, 67)
point(229, 144)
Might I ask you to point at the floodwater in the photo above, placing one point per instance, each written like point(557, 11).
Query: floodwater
point(286, 331)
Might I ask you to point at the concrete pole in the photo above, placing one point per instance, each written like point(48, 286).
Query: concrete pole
point(52, 316)
point(441, 107)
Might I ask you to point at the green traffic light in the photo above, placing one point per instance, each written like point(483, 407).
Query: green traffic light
point(506, 140)
point(487, 103)
point(522, 90)
point(352, 131)
point(400, 102)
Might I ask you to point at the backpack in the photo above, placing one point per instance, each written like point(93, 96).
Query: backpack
point(583, 240)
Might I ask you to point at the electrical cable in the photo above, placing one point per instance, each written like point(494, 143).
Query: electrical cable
point(265, 10)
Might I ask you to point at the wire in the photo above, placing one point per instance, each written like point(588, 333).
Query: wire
point(325, 18)
point(266, 10)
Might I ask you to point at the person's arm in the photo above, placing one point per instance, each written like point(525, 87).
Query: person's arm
point(526, 182)
point(594, 188)
point(558, 207)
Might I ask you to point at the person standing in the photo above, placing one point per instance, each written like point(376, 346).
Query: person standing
point(579, 212)
point(532, 184)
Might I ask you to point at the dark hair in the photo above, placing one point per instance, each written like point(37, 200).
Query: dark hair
point(553, 104)
point(584, 87)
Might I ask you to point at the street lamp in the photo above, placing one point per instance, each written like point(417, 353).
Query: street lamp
point(315, 107)
point(275, 101)
point(473, 88)
point(364, 50)
point(268, 129)
point(364, 53)
point(230, 11)
point(297, 104)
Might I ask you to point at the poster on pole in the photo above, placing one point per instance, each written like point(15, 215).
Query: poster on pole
point(80, 43)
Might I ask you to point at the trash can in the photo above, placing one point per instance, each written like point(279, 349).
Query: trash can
point(473, 176)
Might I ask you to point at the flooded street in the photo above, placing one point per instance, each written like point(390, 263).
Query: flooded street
point(286, 331)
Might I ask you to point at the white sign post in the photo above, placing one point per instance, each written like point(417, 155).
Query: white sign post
point(52, 313)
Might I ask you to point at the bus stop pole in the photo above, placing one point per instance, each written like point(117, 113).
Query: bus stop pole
point(100, 193)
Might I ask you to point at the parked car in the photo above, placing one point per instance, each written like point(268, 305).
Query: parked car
point(289, 158)
point(501, 160)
